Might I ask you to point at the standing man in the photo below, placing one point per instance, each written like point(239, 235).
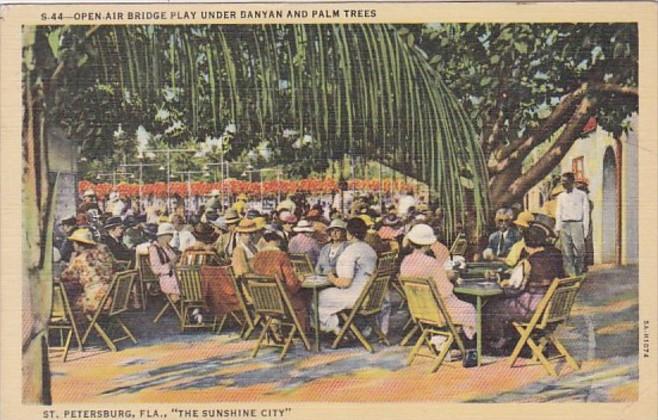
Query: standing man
point(572, 225)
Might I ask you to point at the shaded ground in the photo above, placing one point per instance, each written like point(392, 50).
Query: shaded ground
point(169, 366)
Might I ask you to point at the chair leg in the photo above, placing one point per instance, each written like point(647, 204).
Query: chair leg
point(525, 335)
point(379, 332)
point(252, 327)
point(126, 330)
point(142, 295)
point(221, 324)
point(408, 337)
point(563, 351)
point(416, 349)
point(262, 336)
point(361, 338)
point(542, 359)
point(442, 354)
point(67, 345)
point(162, 311)
point(288, 341)
point(106, 338)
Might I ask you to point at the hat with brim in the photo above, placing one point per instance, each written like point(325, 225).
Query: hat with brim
point(113, 222)
point(304, 226)
point(391, 220)
point(524, 219)
point(89, 193)
point(337, 224)
point(166, 229)
point(248, 226)
point(422, 234)
point(366, 219)
point(83, 236)
point(204, 232)
point(151, 230)
point(130, 221)
point(231, 217)
point(69, 221)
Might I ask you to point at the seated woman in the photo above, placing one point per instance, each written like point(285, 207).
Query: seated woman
point(420, 264)
point(163, 259)
point(272, 261)
point(353, 268)
point(330, 252)
point(202, 251)
point(523, 291)
point(88, 275)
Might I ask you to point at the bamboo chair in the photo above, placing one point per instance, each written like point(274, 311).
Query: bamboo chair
point(387, 262)
point(62, 320)
point(367, 306)
point(146, 278)
point(119, 291)
point(191, 297)
point(432, 318)
point(301, 263)
point(553, 310)
point(459, 246)
point(272, 304)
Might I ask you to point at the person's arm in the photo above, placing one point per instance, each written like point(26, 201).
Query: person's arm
point(345, 270)
point(558, 214)
point(293, 282)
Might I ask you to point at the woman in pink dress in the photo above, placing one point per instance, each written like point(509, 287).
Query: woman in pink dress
point(420, 264)
point(163, 260)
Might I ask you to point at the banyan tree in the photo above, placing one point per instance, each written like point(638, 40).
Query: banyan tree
point(355, 89)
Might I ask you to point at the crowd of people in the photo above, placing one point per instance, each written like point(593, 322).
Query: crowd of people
point(342, 241)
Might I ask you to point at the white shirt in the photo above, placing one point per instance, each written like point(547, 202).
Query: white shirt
point(405, 203)
point(182, 240)
point(572, 207)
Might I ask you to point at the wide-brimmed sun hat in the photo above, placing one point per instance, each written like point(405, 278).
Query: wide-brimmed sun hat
point(205, 233)
point(304, 226)
point(524, 219)
point(113, 222)
point(231, 217)
point(82, 235)
point(422, 234)
point(248, 226)
point(337, 224)
point(166, 229)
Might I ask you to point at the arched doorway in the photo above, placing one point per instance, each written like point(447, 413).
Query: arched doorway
point(610, 208)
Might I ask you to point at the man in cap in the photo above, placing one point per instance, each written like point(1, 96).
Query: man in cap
point(114, 239)
point(88, 202)
point(502, 240)
point(572, 224)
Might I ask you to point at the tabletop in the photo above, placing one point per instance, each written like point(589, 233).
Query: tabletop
point(314, 281)
point(478, 289)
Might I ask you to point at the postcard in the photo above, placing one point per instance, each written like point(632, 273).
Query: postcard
point(328, 210)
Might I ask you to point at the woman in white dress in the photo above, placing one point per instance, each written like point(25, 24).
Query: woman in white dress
point(353, 268)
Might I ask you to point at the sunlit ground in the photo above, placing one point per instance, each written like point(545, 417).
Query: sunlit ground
point(169, 366)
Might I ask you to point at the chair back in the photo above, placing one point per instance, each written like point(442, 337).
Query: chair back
point(425, 304)
point(374, 293)
point(559, 299)
point(199, 258)
point(60, 306)
point(267, 295)
point(301, 264)
point(459, 246)
point(120, 290)
point(189, 282)
point(387, 262)
point(144, 268)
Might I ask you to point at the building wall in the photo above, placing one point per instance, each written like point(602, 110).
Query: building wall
point(592, 150)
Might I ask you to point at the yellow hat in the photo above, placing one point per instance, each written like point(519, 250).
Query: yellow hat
point(557, 190)
point(248, 226)
point(82, 235)
point(242, 197)
point(524, 219)
point(366, 219)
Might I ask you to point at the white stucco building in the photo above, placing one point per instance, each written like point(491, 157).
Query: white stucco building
point(611, 168)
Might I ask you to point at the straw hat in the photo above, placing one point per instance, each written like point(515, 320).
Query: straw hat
point(303, 226)
point(248, 226)
point(337, 224)
point(82, 235)
point(231, 216)
point(89, 193)
point(422, 234)
point(524, 219)
point(166, 229)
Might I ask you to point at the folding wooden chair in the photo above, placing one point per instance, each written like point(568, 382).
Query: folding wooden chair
point(301, 263)
point(272, 304)
point(367, 306)
point(62, 320)
point(553, 310)
point(227, 288)
point(147, 279)
point(119, 291)
point(199, 258)
point(191, 297)
point(459, 246)
point(431, 317)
